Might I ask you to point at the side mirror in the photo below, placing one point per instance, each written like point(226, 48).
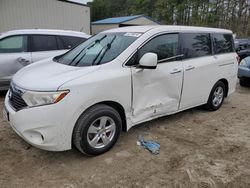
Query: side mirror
point(148, 61)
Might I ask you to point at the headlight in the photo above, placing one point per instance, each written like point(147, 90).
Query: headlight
point(34, 98)
point(243, 63)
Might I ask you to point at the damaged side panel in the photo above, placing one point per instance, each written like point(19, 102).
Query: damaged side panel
point(156, 92)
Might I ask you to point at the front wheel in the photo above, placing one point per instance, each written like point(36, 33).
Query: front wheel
point(216, 97)
point(97, 130)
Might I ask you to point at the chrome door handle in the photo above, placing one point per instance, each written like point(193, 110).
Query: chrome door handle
point(190, 67)
point(175, 71)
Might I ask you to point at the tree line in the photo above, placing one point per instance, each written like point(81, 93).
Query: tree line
point(228, 14)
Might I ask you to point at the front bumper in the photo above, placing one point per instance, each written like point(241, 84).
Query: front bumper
point(46, 127)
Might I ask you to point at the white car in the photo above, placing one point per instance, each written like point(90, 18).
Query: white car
point(117, 79)
point(19, 48)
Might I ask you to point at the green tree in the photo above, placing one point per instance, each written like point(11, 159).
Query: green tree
point(229, 14)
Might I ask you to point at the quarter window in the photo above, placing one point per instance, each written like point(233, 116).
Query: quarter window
point(223, 43)
point(13, 44)
point(196, 45)
point(43, 43)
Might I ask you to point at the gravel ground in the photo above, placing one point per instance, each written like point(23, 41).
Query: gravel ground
point(198, 149)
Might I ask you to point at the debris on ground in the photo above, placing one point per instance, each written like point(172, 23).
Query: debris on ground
point(150, 145)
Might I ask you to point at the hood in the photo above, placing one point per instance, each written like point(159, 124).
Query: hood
point(47, 75)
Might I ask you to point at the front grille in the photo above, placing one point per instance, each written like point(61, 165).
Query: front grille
point(15, 99)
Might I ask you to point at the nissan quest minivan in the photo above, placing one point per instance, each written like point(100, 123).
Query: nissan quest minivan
point(117, 79)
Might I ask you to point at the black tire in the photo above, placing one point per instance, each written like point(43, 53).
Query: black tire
point(210, 104)
point(244, 83)
point(81, 130)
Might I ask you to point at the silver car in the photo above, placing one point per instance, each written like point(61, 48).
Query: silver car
point(21, 47)
point(244, 72)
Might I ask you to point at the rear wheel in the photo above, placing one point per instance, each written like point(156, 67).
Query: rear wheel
point(97, 130)
point(216, 97)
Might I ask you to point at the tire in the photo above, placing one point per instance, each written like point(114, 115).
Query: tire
point(243, 83)
point(97, 130)
point(216, 97)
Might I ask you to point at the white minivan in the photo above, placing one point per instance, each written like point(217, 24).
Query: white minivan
point(19, 48)
point(117, 79)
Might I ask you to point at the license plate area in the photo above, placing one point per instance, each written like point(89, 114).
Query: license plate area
point(6, 114)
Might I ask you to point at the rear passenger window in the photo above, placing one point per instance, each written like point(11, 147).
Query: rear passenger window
point(70, 42)
point(60, 43)
point(223, 43)
point(196, 45)
point(43, 43)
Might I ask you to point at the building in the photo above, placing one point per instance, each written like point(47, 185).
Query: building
point(44, 14)
point(116, 22)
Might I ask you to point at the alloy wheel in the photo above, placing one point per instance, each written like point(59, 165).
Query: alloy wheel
point(101, 132)
point(218, 96)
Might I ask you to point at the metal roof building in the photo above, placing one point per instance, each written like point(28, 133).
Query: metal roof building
point(44, 14)
point(116, 22)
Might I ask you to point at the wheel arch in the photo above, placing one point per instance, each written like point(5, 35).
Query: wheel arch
point(119, 108)
point(225, 82)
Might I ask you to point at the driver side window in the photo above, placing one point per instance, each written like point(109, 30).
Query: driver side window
point(165, 46)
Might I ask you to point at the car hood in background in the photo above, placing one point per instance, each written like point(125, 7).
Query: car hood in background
point(47, 75)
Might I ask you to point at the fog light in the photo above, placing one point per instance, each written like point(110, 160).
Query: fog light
point(34, 137)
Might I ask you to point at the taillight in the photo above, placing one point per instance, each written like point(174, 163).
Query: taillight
point(238, 59)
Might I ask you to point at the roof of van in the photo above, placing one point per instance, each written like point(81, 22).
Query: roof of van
point(116, 20)
point(46, 31)
point(170, 28)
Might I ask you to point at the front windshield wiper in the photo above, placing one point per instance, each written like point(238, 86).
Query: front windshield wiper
point(80, 59)
point(96, 41)
point(103, 52)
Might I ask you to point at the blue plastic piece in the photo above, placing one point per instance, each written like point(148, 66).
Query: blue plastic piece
point(151, 145)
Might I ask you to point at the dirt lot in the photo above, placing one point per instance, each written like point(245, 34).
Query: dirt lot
point(198, 149)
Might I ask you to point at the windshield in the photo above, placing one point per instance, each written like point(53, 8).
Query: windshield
point(99, 49)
